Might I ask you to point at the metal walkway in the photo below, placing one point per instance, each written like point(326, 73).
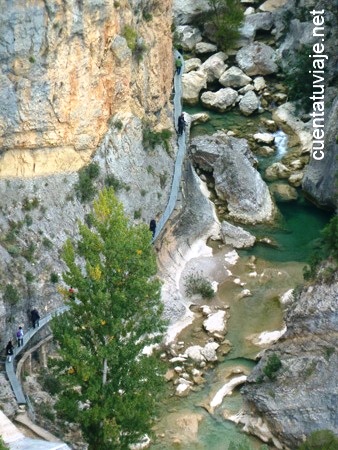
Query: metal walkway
point(12, 377)
point(176, 180)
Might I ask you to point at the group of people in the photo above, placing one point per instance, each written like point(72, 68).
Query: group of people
point(35, 317)
point(181, 124)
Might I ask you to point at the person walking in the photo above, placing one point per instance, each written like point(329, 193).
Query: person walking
point(9, 351)
point(152, 226)
point(35, 317)
point(19, 336)
point(181, 124)
point(178, 64)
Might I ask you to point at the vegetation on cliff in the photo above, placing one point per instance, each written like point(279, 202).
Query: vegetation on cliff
point(108, 385)
point(327, 250)
point(226, 17)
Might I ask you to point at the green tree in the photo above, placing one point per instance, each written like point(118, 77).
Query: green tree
point(320, 440)
point(272, 366)
point(109, 387)
point(226, 17)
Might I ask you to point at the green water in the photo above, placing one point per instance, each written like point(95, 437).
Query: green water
point(231, 120)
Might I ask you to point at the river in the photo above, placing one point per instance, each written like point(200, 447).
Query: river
point(267, 272)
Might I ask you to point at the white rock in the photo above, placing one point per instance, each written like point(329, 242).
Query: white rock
point(192, 64)
point(192, 84)
point(215, 66)
point(226, 390)
point(206, 310)
point(253, 274)
point(199, 118)
point(249, 10)
point(245, 293)
point(204, 47)
point(178, 369)
point(195, 353)
point(231, 258)
point(287, 297)
point(188, 36)
point(249, 103)
point(182, 389)
point(209, 351)
point(265, 138)
point(215, 323)
point(234, 77)
point(221, 100)
point(259, 84)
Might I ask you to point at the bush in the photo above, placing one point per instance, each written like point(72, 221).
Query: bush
point(195, 283)
point(130, 36)
point(11, 295)
point(47, 242)
point(225, 17)
point(29, 204)
point(112, 181)
point(28, 252)
point(152, 138)
point(320, 440)
point(54, 277)
point(29, 277)
point(272, 366)
point(298, 78)
point(85, 190)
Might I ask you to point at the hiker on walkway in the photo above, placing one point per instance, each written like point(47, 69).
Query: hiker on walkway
point(181, 124)
point(19, 336)
point(178, 64)
point(9, 351)
point(152, 226)
point(35, 318)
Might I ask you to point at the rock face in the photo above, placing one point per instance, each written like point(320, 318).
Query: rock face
point(236, 181)
point(188, 36)
point(305, 389)
point(185, 11)
point(67, 70)
point(257, 59)
point(319, 180)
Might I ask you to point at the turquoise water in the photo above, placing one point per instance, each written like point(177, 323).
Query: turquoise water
point(296, 234)
point(231, 120)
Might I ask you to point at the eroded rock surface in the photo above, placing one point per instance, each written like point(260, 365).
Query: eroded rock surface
point(305, 390)
point(236, 180)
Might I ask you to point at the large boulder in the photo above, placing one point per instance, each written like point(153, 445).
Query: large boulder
point(254, 22)
point(234, 77)
point(205, 47)
point(257, 59)
point(186, 11)
point(192, 84)
point(188, 36)
point(272, 5)
point(192, 64)
point(215, 66)
point(236, 236)
point(221, 100)
point(237, 182)
point(249, 103)
point(283, 192)
point(277, 171)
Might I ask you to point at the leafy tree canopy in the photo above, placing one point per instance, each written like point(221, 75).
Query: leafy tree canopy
point(109, 386)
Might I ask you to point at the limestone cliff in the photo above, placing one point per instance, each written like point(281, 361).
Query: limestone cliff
point(303, 396)
point(73, 91)
point(66, 69)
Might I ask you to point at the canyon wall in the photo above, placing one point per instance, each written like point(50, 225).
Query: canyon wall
point(66, 70)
